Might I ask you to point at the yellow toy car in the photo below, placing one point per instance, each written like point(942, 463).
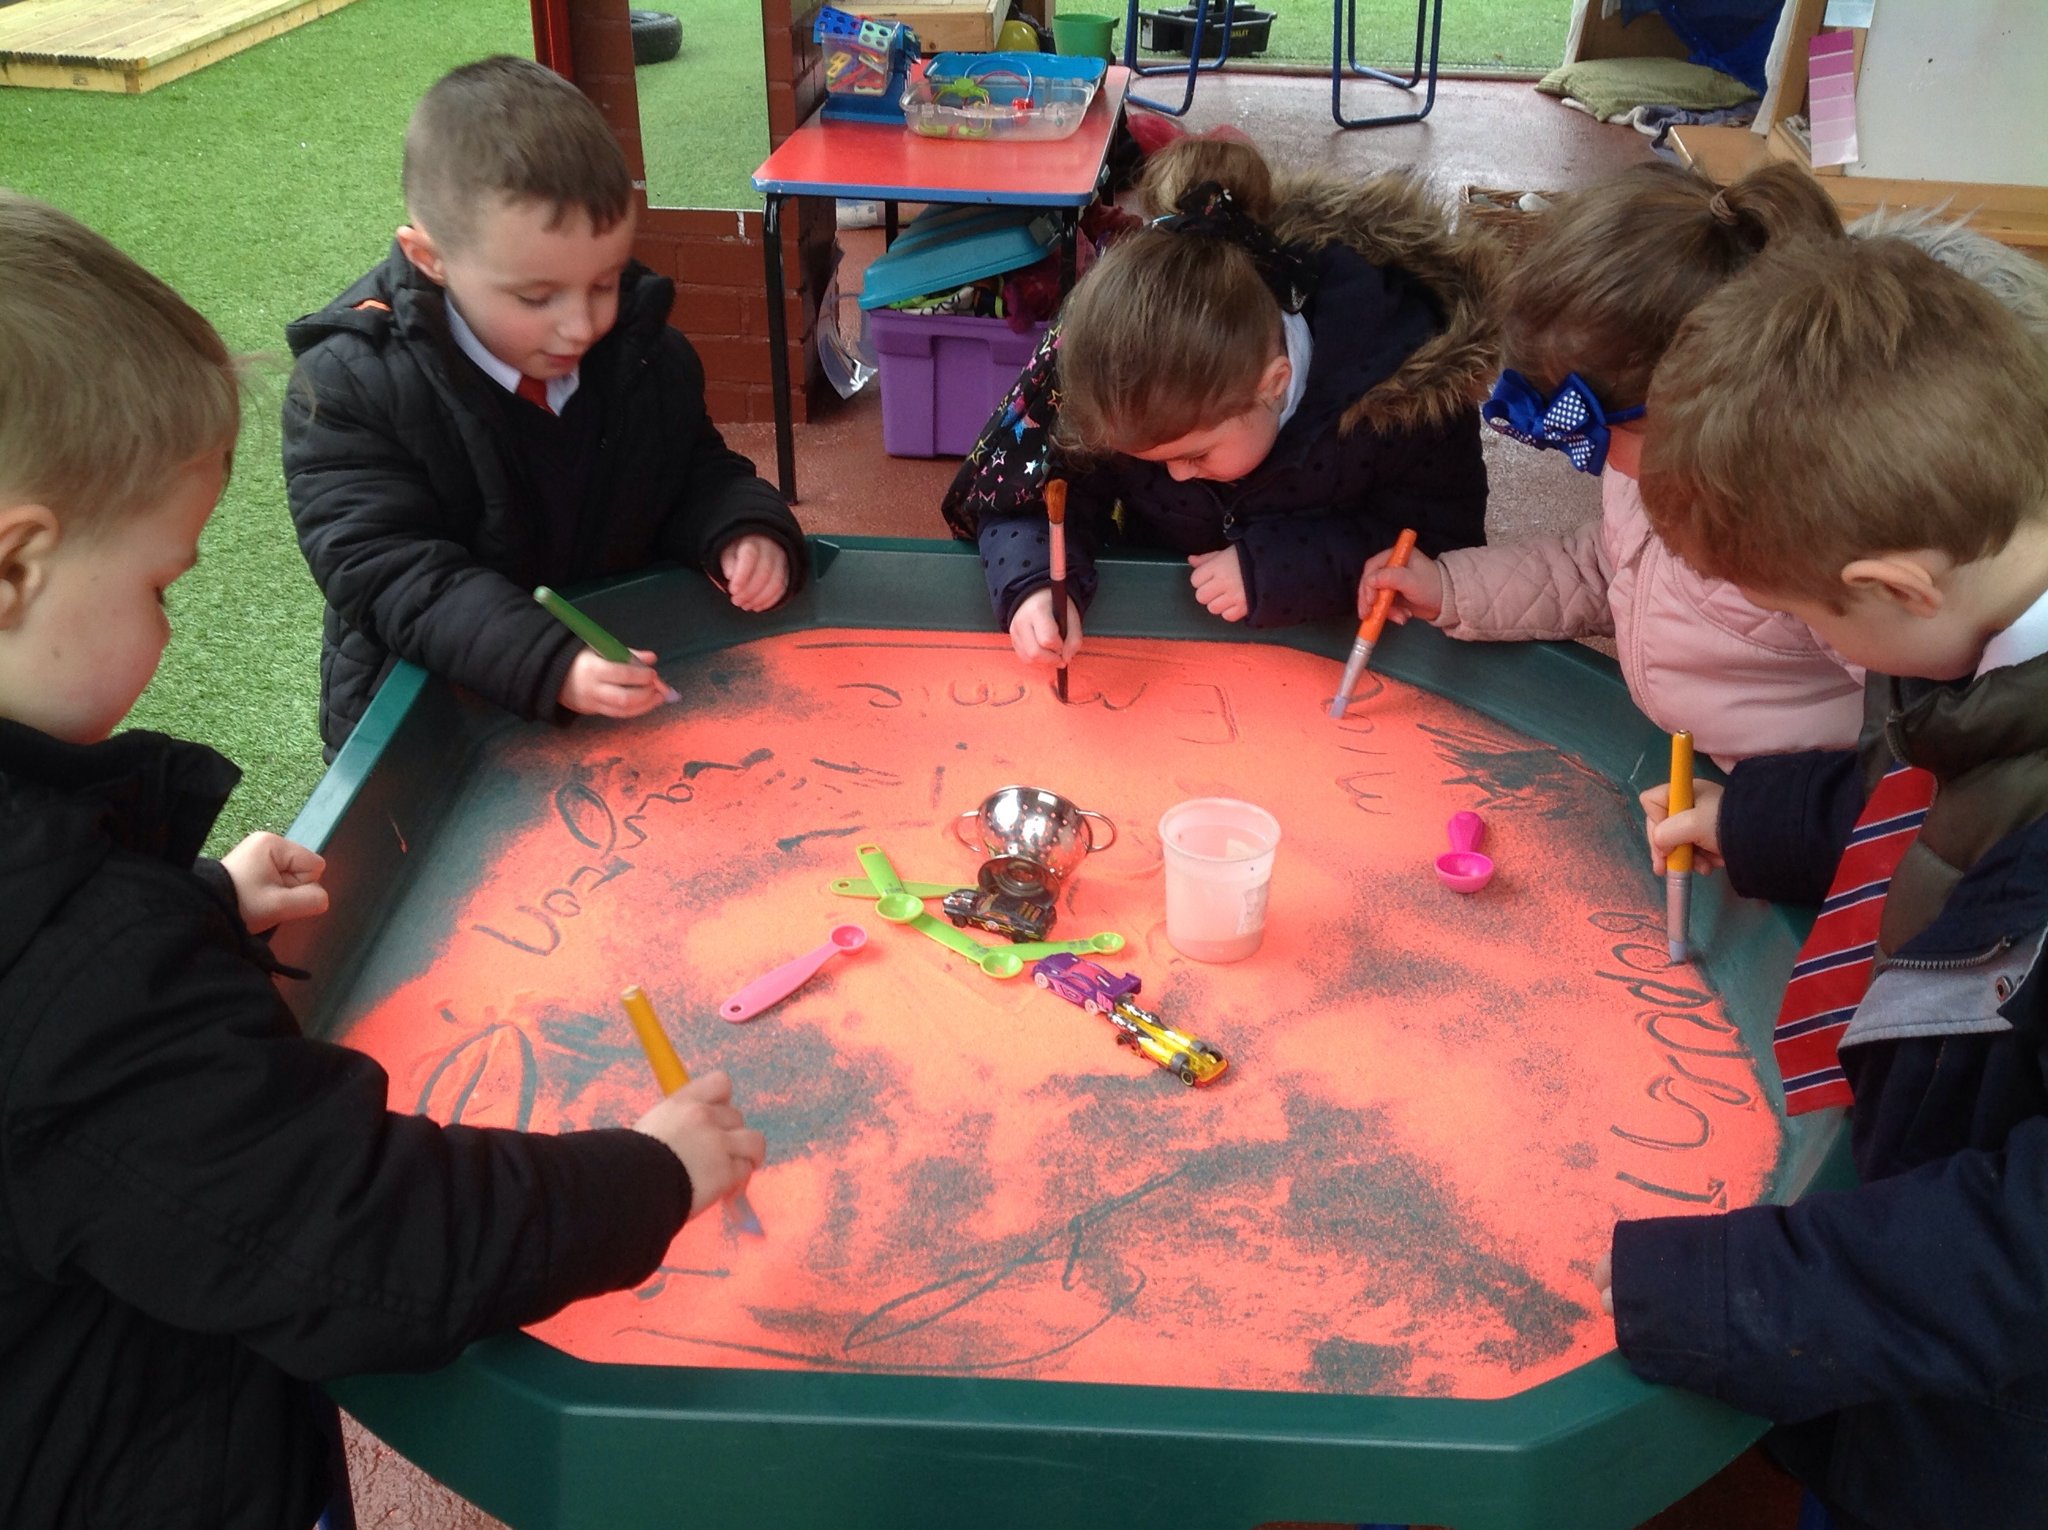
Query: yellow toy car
point(1192, 1062)
point(1097, 990)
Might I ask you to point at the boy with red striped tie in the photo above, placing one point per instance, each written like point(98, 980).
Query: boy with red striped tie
point(1859, 437)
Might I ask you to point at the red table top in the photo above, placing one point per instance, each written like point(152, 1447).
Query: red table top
point(888, 162)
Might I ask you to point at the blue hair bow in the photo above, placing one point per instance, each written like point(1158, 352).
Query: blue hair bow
point(1571, 419)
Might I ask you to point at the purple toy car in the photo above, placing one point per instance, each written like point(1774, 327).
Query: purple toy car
point(1080, 981)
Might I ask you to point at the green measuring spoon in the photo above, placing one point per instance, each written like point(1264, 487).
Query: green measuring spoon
point(861, 887)
point(996, 961)
point(1031, 950)
point(897, 903)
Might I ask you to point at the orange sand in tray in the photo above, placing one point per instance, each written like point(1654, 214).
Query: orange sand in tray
point(1437, 1105)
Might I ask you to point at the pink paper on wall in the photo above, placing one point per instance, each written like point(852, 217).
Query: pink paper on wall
point(1831, 97)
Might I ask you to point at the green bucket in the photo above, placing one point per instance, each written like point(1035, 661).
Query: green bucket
point(1082, 35)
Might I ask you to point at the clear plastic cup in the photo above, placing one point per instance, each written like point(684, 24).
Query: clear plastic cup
point(1219, 864)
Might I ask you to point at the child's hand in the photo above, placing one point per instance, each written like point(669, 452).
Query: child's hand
point(1603, 1282)
point(1036, 637)
point(1418, 587)
point(1698, 825)
point(1218, 579)
point(756, 571)
point(597, 687)
point(706, 1131)
point(275, 880)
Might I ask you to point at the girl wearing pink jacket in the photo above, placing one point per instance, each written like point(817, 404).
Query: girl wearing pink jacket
point(1591, 309)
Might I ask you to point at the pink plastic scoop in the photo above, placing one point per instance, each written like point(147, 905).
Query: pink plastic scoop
point(1463, 869)
point(774, 987)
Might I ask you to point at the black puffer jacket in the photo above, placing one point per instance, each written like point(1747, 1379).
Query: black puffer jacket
point(424, 531)
point(201, 1211)
point(1386, 434)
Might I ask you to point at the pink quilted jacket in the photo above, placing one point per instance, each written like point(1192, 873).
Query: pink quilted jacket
point(1694, 652)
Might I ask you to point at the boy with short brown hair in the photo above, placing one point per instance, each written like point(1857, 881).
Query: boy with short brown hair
point(502, 404)
point(201, 1210)
point(1859, 436)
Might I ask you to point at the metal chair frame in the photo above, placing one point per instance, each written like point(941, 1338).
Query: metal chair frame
point(1343, 12)
point(1192, 70)
point(1429, 22)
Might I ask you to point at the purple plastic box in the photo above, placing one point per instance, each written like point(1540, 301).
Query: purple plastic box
point(942, 377)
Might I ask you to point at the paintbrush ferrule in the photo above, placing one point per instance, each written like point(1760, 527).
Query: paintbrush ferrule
point(1354, 667)
point(1678, 915)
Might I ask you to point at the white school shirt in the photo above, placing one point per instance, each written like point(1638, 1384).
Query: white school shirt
point(2026, 638)
point(560, 389)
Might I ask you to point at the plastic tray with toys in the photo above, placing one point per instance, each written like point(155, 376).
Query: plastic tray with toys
point(1001, 95)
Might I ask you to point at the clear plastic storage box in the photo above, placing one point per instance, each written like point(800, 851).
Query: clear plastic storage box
point(1001, 95)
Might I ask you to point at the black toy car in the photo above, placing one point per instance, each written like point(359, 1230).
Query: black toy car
point(1004, 913)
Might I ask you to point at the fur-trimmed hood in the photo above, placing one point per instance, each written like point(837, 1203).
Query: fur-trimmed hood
point(1392, 221)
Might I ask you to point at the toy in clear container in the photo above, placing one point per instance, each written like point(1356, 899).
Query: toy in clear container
point(863, 57)
point(1001, 95)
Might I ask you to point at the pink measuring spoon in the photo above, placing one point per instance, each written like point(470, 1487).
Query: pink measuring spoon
point(774, 987)
point(1463, 869)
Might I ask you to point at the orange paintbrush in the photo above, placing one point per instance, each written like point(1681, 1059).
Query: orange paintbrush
point(1369, 629)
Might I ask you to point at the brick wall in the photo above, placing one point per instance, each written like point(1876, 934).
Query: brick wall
point(715, 257)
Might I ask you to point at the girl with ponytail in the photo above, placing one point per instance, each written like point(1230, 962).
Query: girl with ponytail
point(1270, 380)
point(1591, 308)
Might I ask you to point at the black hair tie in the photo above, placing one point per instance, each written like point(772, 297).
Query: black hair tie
point(1211, 212)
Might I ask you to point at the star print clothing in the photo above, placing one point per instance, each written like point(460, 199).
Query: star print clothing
point(1897, 1331)
point(1384, 435)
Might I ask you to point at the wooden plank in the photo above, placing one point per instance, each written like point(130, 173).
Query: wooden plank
point(123, 29)
point(1722, 154)
point(1785, 69)
point(967, 26)
point(1593, 34)
point(2014, 215)
point(116, 45)
point(36, 76)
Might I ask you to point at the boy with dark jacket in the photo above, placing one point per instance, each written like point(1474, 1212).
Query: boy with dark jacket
point(1271, 380)
point(201, 1211)
point(1858, 436)
point(502, 404)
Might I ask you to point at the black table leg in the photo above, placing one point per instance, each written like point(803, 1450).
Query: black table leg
point(778, 349)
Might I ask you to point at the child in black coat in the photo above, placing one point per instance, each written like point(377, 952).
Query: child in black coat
point(502, 404)
point(202, 1212)
point(1854, 435)
point(1271, 381)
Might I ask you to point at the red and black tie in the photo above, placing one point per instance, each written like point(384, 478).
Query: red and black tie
point(1833, 969)
point(535, 392)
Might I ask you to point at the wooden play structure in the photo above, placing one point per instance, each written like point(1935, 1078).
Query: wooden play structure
point(129, 46)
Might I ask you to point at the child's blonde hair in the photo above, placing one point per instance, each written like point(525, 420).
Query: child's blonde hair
point(1614, 269)
point(109, 381)
point(1843, 401)
point(1170, 332)
point(513, 130)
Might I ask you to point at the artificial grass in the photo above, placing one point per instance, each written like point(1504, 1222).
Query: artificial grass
point(704, 113)
point(1508, 35)
point(259, 187)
